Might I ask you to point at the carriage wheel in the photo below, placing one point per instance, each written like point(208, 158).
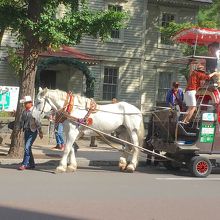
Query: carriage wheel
point(200, 166)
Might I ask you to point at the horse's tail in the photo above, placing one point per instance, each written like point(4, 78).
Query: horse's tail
point(141, 133)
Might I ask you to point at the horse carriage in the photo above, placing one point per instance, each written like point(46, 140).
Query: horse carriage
point(196, 146)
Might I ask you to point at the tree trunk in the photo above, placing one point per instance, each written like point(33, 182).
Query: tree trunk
point(27, 78)
point(26, 88)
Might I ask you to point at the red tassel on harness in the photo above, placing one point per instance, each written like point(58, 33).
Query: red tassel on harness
point(89, 121)
point(70, 104)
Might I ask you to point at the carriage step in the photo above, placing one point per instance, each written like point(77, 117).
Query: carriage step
point(184, 142)
point(183, 145)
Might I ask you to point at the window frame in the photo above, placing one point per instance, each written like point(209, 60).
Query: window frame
point(117, 83)
point(173, 11)
point(172, 79)
point(121, 31)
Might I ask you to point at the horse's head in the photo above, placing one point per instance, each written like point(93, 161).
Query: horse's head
point(42, 105)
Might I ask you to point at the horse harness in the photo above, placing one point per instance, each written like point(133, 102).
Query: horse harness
point(64, 113)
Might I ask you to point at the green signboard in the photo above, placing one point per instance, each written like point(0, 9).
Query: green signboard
point(4, 100)
point(207, 133)
point(8, 98)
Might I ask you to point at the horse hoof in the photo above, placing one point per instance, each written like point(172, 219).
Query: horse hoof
point(60, 169)
point(122, 164)
point(130, 168)
point(122, 167)
point(71, 168)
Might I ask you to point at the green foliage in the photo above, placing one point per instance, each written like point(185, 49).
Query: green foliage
point(50, 31)
point(4, 114)
point(40, 28)
point(210, 16)
point(70, 29)
point(174, 28)
point(10, 13)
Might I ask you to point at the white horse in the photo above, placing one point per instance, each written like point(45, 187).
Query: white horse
point(107, 118)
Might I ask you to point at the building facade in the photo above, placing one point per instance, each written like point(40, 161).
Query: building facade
point(132, 64)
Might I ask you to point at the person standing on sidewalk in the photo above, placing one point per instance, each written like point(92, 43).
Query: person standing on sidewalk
point(58, 130)
point(59, 137)
point(31, 128)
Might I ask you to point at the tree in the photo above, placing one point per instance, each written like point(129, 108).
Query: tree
point(208, 16)
point(15, 11)
point(37, 27)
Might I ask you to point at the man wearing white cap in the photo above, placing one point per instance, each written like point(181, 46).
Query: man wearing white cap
point(31, 128)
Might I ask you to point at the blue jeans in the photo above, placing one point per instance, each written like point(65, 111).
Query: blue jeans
point(59, 133)
point(29, 138)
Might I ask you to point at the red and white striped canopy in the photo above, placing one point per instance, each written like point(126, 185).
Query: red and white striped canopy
point(203, 36)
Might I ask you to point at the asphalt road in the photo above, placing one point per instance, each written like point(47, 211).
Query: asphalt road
point(93, 193)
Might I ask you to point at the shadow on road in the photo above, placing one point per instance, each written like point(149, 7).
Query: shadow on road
point(50, 167)
point(19, 214)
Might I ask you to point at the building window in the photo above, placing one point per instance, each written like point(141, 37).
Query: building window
point(110, 83)
point(166, 19)
point(115, 34)
point(165, 80)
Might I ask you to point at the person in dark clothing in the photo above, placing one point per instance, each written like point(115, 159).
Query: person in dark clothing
point(30, 128)
point(174, 98)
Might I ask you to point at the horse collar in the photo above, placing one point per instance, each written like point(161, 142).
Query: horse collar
point(67, 108)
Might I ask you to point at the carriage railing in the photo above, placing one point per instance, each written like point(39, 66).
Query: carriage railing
point(166, 125)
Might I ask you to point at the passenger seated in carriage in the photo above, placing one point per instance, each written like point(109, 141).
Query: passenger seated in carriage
point(193, 84)
point(174, 97)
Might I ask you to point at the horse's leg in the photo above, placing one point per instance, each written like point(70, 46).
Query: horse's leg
point(134, 160)
point(121, 133)
point(72, 160)
point(123, 159)
point(71, 132)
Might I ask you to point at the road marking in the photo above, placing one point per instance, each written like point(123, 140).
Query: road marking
point(187, 178)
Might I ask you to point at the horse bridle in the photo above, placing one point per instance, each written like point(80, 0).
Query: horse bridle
point(46, 101)
point(43, 106)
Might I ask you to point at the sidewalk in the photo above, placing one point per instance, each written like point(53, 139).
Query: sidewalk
point(102, 155)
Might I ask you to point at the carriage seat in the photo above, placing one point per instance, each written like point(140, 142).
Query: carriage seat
point(186, 134)
point(182, 131)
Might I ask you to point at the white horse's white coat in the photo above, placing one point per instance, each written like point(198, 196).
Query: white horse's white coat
point(107, 119)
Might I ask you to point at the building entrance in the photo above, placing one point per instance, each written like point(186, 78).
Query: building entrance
point(48, 79)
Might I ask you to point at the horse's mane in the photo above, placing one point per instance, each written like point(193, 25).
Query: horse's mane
point(82, 100)
point(59, 94)
point(56, 94)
